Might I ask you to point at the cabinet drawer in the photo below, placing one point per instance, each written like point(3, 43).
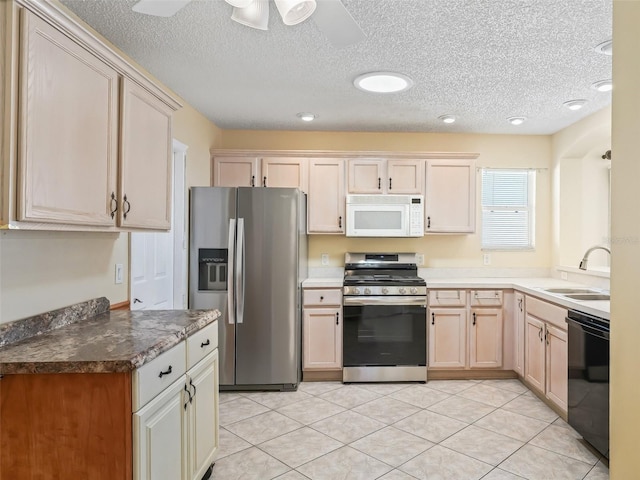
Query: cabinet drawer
point(486, 298)
point(202, 343)
point(322, 297)
point(150, 379)
point(547, 311)
point(447, 298)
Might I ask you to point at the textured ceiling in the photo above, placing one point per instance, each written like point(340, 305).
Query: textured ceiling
point(481, 60)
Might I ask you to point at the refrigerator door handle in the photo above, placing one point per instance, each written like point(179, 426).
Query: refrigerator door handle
point(240, 272)
point(230, 277)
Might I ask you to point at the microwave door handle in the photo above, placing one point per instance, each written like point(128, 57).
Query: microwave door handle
point(230, 272)
point(240, 272)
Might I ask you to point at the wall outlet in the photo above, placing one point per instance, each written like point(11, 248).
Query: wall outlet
point(324, 259)
point(119, 273)
point(486, 259)
point(420, 258)
point(563, 275)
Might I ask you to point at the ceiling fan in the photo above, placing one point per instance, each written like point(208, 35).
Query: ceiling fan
point(331, 16)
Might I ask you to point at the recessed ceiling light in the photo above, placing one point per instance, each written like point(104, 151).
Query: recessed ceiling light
point(307, 117)
point(447, 118)
point(603, 85)
point(604, 47)
point(575, 104)
point(383, 82)
point(516, 120)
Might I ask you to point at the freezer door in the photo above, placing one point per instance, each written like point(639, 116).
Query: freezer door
point(268, 339)
point(211, 274)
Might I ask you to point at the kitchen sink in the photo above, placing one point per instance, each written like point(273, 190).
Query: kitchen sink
point(588, 296)
point(569, 290)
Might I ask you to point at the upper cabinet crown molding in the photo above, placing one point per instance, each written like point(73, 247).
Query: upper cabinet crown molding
point(228, 152)
point(63, 20)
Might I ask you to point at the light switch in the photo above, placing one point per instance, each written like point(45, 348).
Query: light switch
point(420, 258)
point(486, 259)
point(119, 273)
point(324, 259)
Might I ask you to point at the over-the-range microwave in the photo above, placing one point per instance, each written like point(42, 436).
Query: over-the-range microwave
point(385, 215)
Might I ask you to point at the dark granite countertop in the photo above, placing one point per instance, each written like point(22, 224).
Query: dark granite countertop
point(116, 341)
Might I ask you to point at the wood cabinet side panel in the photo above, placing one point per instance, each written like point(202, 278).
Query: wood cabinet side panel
point(66, 426)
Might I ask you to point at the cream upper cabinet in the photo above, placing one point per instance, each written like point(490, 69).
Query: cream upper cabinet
point(485, 338)
point(145, 159)
point(285, 172)
point(68, 130)
point(326, 201)
point(447, 338)
point(236, 172)
point(450, 196)
point(391, 176)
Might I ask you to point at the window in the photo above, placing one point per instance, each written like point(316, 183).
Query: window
point(508, 201)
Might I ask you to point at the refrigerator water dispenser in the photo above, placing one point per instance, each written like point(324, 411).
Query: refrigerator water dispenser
point(212, 269)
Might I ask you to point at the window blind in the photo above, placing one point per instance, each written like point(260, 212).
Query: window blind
point(507, 209)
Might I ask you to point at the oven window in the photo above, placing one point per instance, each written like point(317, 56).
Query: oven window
point(377, 220)
point(384, 335)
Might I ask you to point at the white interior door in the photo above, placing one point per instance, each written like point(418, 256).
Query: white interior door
point(159, 259)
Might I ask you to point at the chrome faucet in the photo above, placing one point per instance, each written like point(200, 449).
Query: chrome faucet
point(583, 262)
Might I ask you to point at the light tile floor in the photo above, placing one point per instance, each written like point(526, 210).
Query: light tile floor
point(445, 430)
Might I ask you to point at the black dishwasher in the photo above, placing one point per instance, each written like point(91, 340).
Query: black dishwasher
point(588, 360)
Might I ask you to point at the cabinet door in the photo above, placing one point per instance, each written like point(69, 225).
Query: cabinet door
point(202, 443)
point(322, 339)
point(68, 130)
point(519, 333)
point(159, 433)
point(485, 338)
point(447, 337)
point(534, 369)
point(450, 196)
point(367, 176)
point(557, 371)
point(326, 201)
point(405, 176)
point(236, 172)
point(145, 160)
point(285, 172)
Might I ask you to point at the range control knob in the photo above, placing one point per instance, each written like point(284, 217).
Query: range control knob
point(355, 291)
point(402, 290)
point(414, 290)
point(367, 291)
point(385, 290)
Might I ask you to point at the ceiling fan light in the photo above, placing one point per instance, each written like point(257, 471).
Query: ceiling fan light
point(256, 15)
point(295, 11)
point(239, 3)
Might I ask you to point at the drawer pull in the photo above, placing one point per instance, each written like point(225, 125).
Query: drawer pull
point(321, 298)
point(166, 373)
point(205, 344)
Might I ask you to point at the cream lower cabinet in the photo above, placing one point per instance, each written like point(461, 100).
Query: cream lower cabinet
point(450, 196)
point(546, 351)
point(465, 334)
point(519, 329)
point(175, 430)
point(326, 201)
point(322, 330)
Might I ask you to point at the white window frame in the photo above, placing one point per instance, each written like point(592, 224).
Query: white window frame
point(530, 208)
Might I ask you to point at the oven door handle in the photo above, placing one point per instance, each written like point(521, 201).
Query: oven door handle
point(420, 301)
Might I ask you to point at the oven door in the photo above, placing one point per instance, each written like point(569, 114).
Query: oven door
point(384, 331)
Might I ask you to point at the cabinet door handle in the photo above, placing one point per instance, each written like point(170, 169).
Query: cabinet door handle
point(379, 183)
point(264, 181)
point(194, 390)
point(389, 183)
point(337, 318)
point(114, 204)
point(546, 337)
point(187, 402)
point(340, 222)
point(321, 298)
point(253, 180)
point(433, 318)
point(474, 318)
point(540, 334)
point(137, 300)
point(127, 206)
point(167, 372)
point(205, 344)
point(428, 222)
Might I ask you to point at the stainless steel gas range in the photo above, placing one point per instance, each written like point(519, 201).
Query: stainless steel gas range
point(385, 320)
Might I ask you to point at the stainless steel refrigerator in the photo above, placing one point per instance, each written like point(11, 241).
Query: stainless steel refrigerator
point(248, 258)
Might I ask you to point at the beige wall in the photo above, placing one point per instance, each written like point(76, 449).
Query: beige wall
point(580, 190)
point(625, 268)
point(439, 251)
